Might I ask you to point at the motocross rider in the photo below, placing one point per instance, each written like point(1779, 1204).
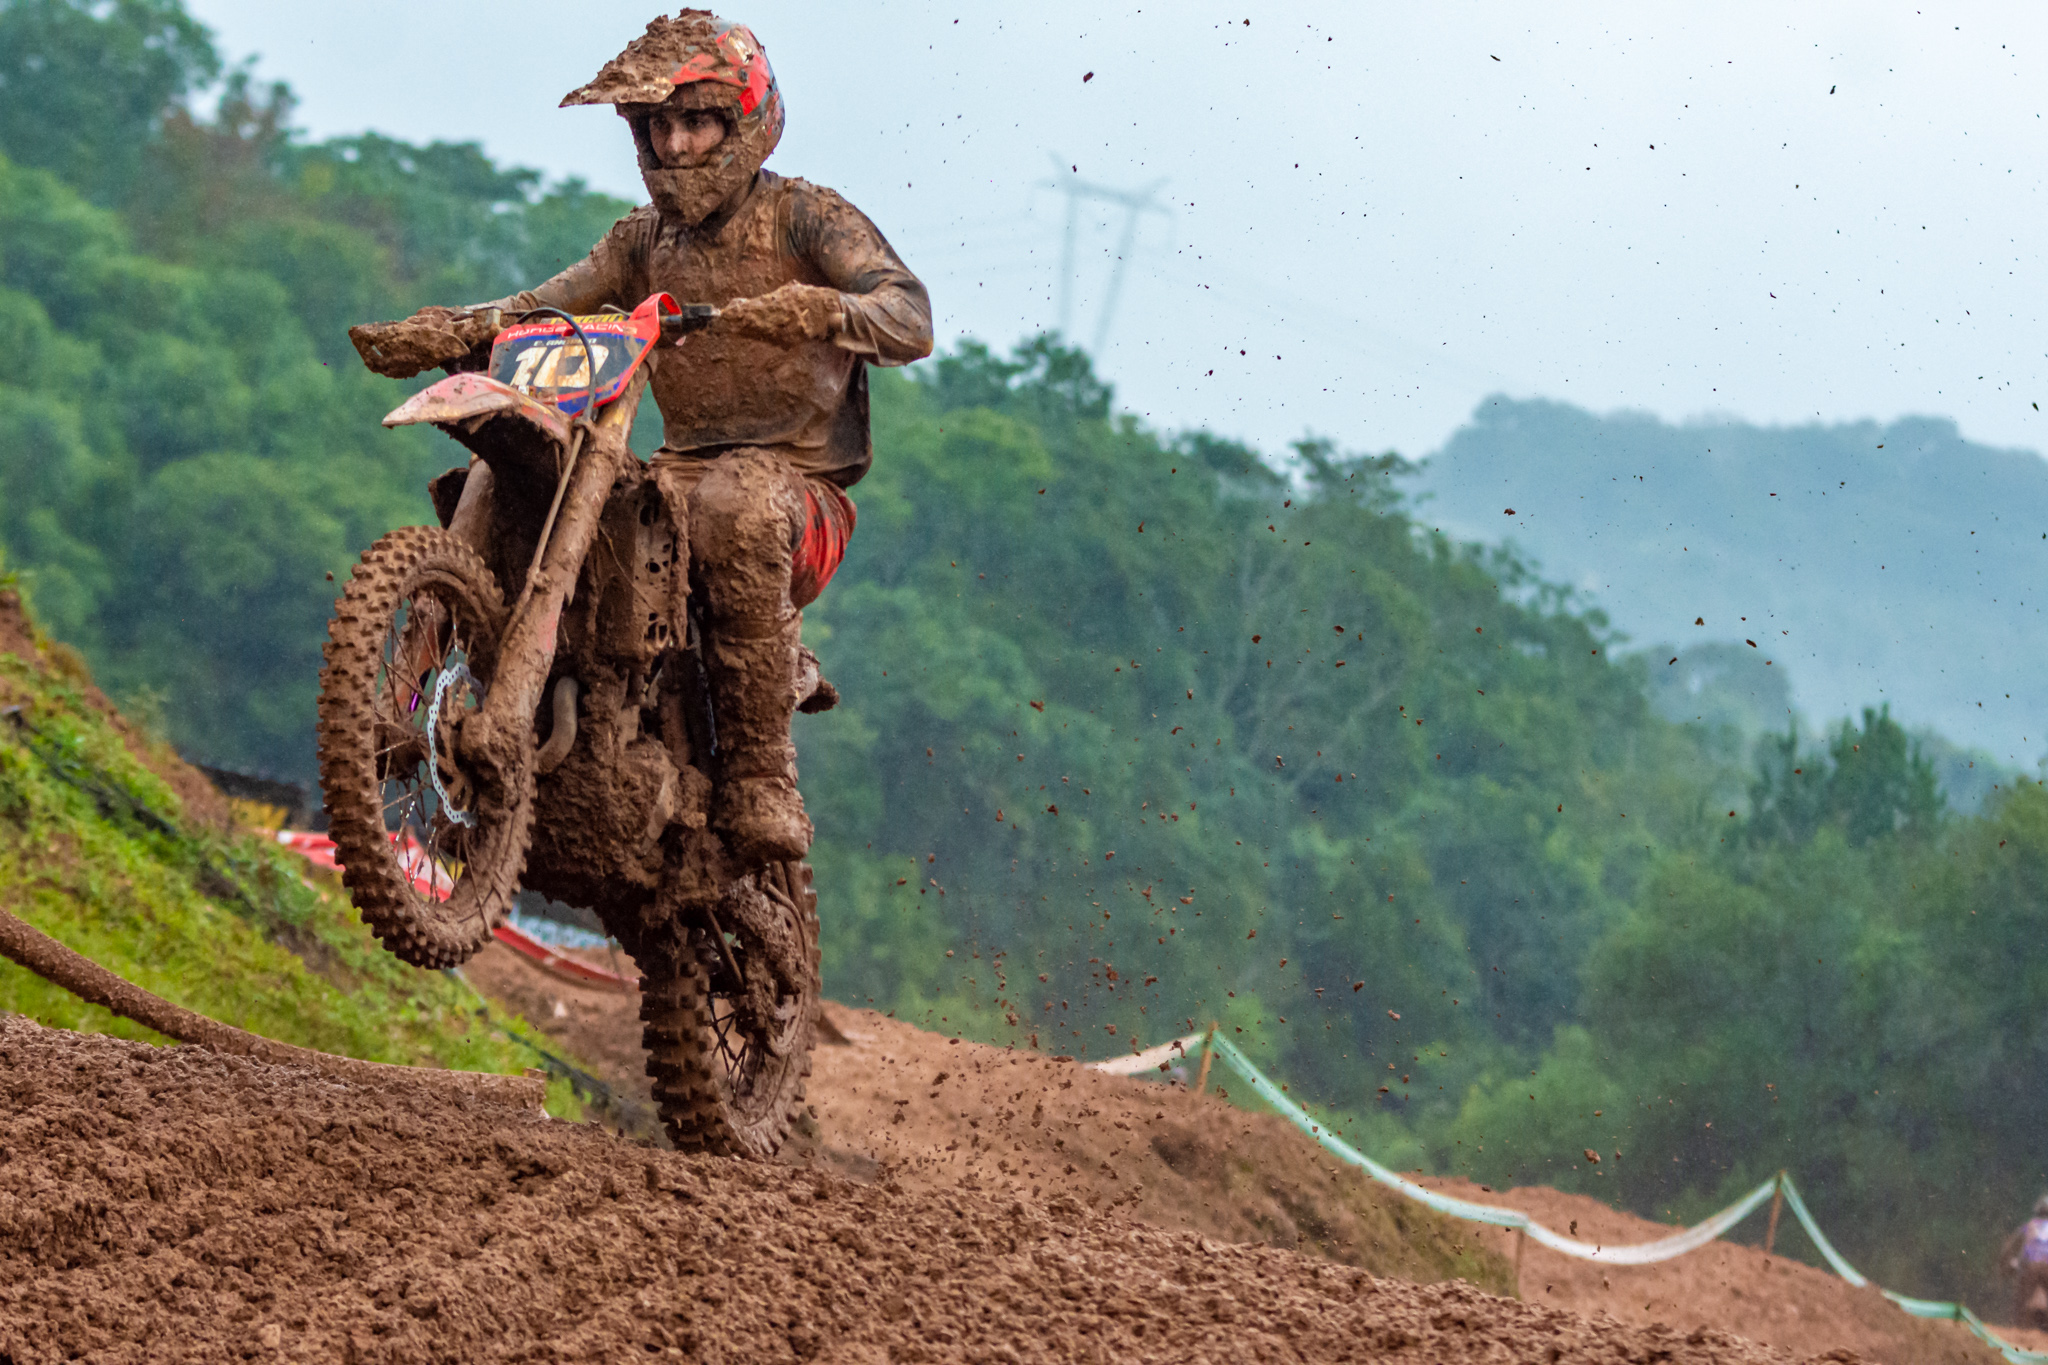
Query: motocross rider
point(2025, 1257)
point(765, 413)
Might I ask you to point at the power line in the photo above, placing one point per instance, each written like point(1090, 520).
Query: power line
point(1135, 203)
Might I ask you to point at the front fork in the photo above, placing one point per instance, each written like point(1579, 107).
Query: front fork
point(497, 742)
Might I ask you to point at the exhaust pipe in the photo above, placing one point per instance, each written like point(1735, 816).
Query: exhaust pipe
point(563, 737)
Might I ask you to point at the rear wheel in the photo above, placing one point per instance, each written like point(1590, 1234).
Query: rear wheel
point(431, 861)
point(730, 1054)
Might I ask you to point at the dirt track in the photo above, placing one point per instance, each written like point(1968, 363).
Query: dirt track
point(1015, 1124)
point(171, 1204)
point(1212, 1169)
point(175, 1204)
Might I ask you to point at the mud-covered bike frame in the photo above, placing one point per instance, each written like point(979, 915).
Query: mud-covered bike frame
point(565, 743)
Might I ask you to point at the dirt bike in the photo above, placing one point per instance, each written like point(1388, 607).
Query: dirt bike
point(564, 742)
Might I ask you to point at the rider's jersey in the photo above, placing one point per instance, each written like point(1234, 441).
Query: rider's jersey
point(808, 403)
point(2034, 1241)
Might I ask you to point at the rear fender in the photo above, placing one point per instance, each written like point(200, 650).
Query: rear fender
point(462, 403)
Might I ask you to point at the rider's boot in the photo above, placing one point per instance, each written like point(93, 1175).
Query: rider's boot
point(755, 803)
point(745, 511)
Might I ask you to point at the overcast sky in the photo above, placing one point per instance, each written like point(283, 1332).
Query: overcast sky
point(1374, 215)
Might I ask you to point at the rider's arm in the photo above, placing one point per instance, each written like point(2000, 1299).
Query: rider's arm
point(604, 278)
point(888, 313)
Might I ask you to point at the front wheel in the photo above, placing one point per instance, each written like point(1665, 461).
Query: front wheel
point(431, 861)
point(729, 1054)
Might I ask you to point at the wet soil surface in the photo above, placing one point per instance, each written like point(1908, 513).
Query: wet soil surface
point(936, 1111)
point(1183, 1163)
point(171, 1204)
point(891, 1100)
point(1798, 1307)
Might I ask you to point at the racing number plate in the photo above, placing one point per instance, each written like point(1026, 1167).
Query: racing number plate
point(545, 360)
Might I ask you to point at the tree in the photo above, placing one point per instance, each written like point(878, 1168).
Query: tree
point(1871, 784)
point(84, 86)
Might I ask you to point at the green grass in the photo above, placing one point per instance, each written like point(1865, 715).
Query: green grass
point(229, 925)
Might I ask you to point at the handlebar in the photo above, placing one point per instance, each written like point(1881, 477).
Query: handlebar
point(457, 340)
point(691, 317)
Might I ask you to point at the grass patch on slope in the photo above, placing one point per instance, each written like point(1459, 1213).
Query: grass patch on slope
point(98, 851)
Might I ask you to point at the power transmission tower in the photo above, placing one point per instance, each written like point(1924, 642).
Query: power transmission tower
point(1135, 203)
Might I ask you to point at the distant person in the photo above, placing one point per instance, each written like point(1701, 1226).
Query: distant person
point(2025, 1258)
point(764, 414)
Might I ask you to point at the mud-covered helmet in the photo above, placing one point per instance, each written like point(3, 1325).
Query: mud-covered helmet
point(694, 61)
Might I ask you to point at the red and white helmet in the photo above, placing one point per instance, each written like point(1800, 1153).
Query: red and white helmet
point(694, 61)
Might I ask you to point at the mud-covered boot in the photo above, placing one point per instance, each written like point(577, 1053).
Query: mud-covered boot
point(754, 802)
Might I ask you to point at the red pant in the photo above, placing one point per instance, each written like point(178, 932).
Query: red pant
point(819, 526)
point(828, 524)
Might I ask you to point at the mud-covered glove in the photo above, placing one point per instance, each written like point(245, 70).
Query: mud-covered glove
point(788, 316)
point(433, 336)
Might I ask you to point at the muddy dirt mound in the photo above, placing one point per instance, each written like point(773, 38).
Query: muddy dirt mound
point(938, 1111)
point(1785, 1303)
point(931, 1111)
point(1182, 1163)
point(171, 1204)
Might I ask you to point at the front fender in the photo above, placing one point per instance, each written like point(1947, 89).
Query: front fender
point(464, 401)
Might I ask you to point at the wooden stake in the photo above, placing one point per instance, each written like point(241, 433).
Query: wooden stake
point(1777, 1203)
point(1208, 1054)
point(1521, 1237)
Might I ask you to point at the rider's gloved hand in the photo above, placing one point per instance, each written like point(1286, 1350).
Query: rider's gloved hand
point(788, 316)
point(433, 336)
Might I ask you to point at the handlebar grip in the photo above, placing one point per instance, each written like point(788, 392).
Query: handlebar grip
point(691, 317)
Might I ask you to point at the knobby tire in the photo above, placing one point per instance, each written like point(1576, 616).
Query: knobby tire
point(411, 565)
point(706, 1104)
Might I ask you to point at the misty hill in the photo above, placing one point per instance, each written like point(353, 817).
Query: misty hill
point(1892, 564)
point(1728, 690)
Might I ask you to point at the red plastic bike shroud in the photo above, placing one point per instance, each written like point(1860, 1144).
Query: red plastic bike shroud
point(531, 356)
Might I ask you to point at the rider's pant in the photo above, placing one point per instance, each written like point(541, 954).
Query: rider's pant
point(818, 515)
point(764, 540)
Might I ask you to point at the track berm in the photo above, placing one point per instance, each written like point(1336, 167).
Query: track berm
point(170, 1204)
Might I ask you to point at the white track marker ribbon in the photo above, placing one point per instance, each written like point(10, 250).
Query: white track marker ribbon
point(1151, 1059)
point(1643, 1254)
point(1647, 1253)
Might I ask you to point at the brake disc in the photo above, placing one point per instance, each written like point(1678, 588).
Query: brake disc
point(449, 677)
